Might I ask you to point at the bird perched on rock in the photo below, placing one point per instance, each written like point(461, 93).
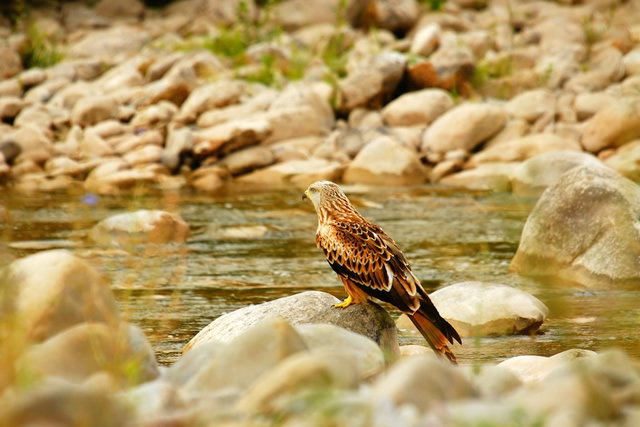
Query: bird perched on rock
point(370, 265)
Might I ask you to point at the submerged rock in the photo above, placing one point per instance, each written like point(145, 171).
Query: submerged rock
point(140, 227)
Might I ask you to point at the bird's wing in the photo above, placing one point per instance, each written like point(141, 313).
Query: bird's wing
point(363, 254)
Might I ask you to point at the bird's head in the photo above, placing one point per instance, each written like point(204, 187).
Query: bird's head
point(321, 193)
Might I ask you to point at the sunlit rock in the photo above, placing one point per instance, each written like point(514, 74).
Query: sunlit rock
point(626, 160)
point(532, 104)
point(311, 307)
point(209, 97)
point(384, 161)
point(464, 126)
point(532, 369)
point(584, 230)
point(486, 176)
point(480, 309)
point(524, 148)
point(54, 290)
point(140, 227)
point(248, 356)
point(417, 108)
point(614, 125)
point(91, 110)
point(79, 352)
point(111, 45)
point(423, 382)
point(302, 173)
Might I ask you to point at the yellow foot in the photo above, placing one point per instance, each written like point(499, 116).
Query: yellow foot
point(346, 303)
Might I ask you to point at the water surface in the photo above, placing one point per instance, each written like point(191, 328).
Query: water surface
point(249, 247)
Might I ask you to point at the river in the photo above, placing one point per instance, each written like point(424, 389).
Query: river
point(251, 246)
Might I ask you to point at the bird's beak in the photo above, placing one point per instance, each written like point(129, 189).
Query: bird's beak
point(305, 195)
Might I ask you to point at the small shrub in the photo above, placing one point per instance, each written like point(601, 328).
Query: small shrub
point(38, 51)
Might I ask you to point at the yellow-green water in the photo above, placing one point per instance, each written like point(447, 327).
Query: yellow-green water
point(248, 247)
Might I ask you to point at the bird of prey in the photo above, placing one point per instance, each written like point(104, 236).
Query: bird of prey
point(370, 265)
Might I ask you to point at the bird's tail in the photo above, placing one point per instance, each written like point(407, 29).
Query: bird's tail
point(435, 329)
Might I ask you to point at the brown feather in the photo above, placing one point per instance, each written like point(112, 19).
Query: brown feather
point(370, 264)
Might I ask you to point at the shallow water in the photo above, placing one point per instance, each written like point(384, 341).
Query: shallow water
point(248, 247)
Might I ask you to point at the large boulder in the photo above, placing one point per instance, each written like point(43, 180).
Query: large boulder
point(477, 309)
point(614, 125)
point(310, 307)
point(54, 290)
point(140, 227)
point(584, 229)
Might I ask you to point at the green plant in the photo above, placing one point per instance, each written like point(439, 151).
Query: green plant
point(38, 51)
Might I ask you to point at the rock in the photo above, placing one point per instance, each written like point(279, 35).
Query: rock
point(297, 14)
point(513, 129)
point(209, 97)
point(294, 122)
point(140, 227)
point(625, 160)
point(533, 369)
point(486, 176)
point(174, 89)
point(258, 103)
point(148, 154)
point(181, 372)
point(179, 143)
point(449, 68)
point(54, 290)
point(88, 348)
point(92, 110)
point(373, 83)
point(532, 104)
point(596, 247)
point(120, 9)
point(155, 116)
point(310, 307)
point(91, 146)
point(11, 64)
point(10, 87)
point(523, 148)
point(35, 115)
point(632, 62)
point(417, 108)
point(35, 144)
point(463, 127)
point(534, 175)
point(426, 39)
point(394, 15)
point(366, 355)
point(246, 160)
point(422, 382)
point(91, 403)
point(10, 106)
point(596, 387)
point(248, 356)
point(493, 381)
point(482, 309)
point(123, 76)
point(613, 125)
point(588, 104)
point(125, 144)
point(230, 136)
point(9, 150)
point(208, 178)
point(302, 173)
point(63, 165)
point(384, 161)
point(413, 349)
point(152, 401)
point(303, 373)
point(112, 45)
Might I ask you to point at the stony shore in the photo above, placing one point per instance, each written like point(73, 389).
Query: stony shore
point(201, 93)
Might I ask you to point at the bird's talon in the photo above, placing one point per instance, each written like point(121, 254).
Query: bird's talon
point(346, 303)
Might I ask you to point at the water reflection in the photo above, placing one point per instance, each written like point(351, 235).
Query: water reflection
point(251, 247)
